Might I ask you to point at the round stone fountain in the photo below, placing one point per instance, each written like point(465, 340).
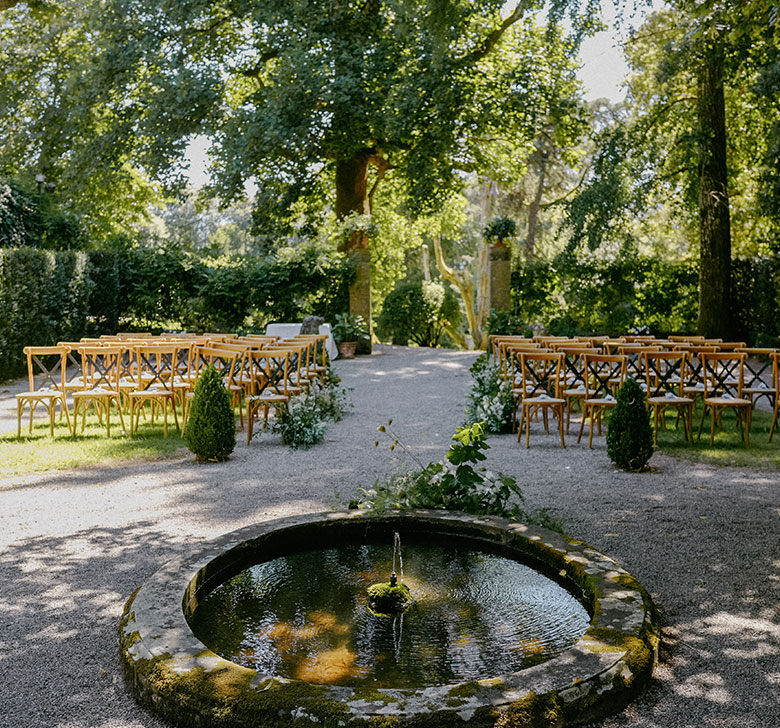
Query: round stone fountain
point(593, 664)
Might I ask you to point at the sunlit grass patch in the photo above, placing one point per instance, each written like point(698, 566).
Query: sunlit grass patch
point(728, 448)
point(39, 451)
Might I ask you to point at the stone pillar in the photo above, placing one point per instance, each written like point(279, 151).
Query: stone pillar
point(500, 277)
point(360, 293)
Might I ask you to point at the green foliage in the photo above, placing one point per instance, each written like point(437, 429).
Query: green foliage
point(418, 311)
point(455, 483)
point(19, 218)
point(168, 284)
point(490, 400)
point(349, 327)
point(331, 398)
point(433, 88)
point(630, 434)
point(592, 293)
point(302, 423)
point(499, 228)
point(211, 426)
point(46, 297)
point(50, 296)
point(507, 323)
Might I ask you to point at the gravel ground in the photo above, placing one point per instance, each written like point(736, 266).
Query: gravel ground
point(702, 540)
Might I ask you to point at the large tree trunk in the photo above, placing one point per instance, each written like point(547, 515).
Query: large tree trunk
point(352, 196)
point(533, 210)
point(715, 227)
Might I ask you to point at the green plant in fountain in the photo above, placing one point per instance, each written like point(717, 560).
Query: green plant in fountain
point(630, 434)
point(491, 400)
point(211, 426)
point(456, 483)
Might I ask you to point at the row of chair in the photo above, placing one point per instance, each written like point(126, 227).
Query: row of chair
point(558, 374)
point(128, 371)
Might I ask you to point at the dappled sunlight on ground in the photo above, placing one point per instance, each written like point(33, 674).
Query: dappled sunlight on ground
point(702, 539)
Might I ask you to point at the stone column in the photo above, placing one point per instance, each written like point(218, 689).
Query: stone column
point(500, 277)
point(360, 293)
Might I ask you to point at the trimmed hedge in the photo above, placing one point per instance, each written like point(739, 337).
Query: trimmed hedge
point(50, 296)
point(615, 296)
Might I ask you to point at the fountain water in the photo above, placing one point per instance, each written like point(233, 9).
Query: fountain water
point(293, 637)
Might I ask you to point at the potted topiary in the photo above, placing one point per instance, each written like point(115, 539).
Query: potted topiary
point(347, 331)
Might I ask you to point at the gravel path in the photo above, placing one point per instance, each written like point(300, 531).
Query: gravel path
point(702, 540)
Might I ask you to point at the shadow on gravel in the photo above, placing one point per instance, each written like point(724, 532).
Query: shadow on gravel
point(60, 605)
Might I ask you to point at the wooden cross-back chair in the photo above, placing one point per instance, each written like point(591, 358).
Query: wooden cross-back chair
point(685, 338)
point(541, 376)
point(639, 338)
point(299, 362)
point(775, 357)
point(635, 361)
point(46, 376)
point(511, 369)
point(759, 380)
point(664, 378)
point(573, 376)
point(318, 354)
point(724, 377)
point(155, 367)
point(270, 386)
point(604, 373)
point(694, 367)
point(100, 374)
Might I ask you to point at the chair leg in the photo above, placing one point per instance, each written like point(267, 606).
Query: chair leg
point(20, 408)
point(116, 401)
point(774, 422)
point(582, 423)
point(250, 420)
point(713, 411)
point(560, 425)
point(527, 418)
point(592, 425)
point(748, 419)
point(701, 422)
point(656, 414)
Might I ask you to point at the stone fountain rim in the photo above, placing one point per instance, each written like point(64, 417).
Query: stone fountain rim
point(597, 676)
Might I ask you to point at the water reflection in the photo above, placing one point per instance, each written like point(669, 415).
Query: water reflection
point(474, 615)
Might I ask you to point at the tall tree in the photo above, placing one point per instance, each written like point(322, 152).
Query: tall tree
point(695, 78)
point(53, 119)
point(316, 99)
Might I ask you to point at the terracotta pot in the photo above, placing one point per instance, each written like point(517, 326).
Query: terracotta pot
point(346, 349)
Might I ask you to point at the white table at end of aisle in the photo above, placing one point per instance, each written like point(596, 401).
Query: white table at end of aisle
point(287, 331)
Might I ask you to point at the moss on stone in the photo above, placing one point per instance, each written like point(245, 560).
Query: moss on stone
point(372, 695)
point(533, 711)
point(387, 600)
point(465, 690)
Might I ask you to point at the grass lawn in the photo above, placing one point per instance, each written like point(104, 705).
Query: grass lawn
point(38, 451)
point(728, 448)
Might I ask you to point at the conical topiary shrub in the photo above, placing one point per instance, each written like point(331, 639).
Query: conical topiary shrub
point(211, 427)
point(630, 434)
